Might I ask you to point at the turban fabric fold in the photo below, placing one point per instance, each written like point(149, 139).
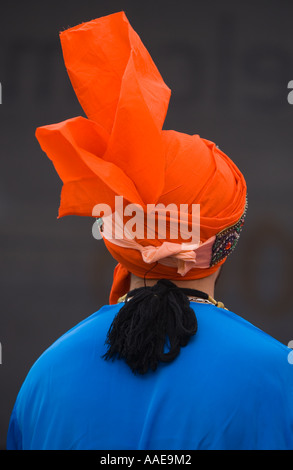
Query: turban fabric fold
point(121, 149)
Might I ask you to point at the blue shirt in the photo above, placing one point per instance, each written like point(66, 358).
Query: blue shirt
point(230, 388)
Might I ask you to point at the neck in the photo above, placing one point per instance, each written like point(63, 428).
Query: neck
point(206, 284)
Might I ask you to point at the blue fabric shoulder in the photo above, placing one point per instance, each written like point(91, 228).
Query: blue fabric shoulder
point(231, 387)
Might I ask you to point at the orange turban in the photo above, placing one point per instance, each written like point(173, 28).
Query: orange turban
point(120, 149)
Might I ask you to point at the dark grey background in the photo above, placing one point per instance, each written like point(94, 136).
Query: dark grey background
point(228, 64)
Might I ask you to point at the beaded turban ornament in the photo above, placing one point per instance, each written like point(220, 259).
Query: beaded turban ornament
point(120, 150)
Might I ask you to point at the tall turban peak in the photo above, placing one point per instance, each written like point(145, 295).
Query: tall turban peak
point(118, 149)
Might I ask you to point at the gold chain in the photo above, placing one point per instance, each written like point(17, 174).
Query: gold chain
point(210, 300)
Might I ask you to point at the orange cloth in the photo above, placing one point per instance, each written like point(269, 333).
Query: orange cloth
point(121, 149)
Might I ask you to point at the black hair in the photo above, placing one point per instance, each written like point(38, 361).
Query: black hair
point(152, 326)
